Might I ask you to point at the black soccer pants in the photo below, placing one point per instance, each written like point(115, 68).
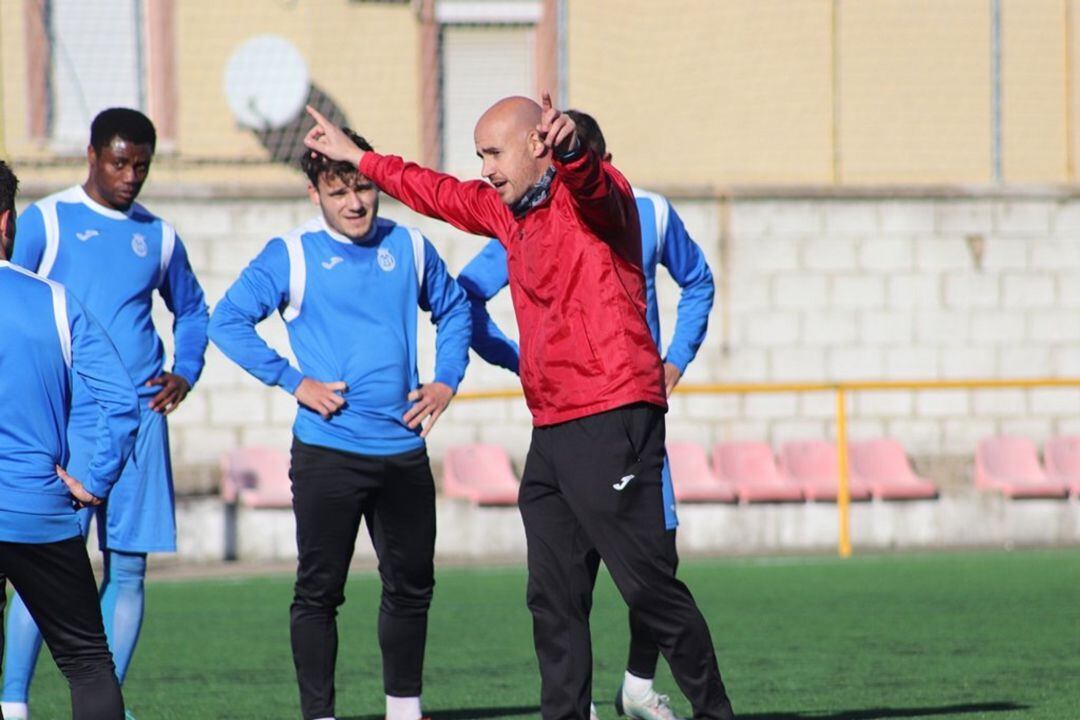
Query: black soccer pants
point(57, 585)
point(332, 490)
point(644, 653)
point(592, 486)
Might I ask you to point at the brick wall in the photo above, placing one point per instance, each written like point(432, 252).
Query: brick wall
point(871, 289)
point(820, 289)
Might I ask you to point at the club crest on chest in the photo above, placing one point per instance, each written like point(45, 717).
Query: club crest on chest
point(138, 245)
point(386, 260)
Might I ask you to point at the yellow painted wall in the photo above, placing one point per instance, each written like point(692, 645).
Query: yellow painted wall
point(365, 56)
point(706, 91)
point(1033, 97)
point(13, 124)
point(915, 91)
point(1073, 131)
point(689, 92)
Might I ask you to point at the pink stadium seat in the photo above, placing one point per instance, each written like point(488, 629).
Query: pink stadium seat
point(480, 474)
point(1062, 458)
point(691, 477)
point(751, 469)
point(256, 477)
point(1011, 465)
point(812, 465)
point(883, 464)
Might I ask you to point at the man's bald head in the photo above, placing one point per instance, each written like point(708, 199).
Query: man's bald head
point(508, 142)
point(517, 112)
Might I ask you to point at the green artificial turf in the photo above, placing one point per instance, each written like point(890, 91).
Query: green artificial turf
point(942, 635)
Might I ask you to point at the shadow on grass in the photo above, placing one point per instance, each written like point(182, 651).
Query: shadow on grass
point(888, 713)
point(467, 713)
point(864, 714)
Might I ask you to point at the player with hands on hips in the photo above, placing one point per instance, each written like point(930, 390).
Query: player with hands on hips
point(348, 284)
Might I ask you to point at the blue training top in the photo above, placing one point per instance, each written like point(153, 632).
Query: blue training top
point(113, 261)
point(47, 337)
point(664, 241)
point(350, 311)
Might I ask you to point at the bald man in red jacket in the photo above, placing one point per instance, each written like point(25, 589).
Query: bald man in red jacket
point(593, 380)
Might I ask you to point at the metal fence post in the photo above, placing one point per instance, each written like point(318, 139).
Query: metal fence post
point(843, 496)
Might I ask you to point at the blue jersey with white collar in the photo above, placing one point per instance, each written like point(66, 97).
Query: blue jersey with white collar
point(664, 241)
point(351, 313)
point(48, 339)
point(113, 261)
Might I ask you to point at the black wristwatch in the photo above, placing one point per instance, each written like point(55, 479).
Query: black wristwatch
point(574, 153)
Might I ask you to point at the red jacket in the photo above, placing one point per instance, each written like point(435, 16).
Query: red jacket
point(575, 276)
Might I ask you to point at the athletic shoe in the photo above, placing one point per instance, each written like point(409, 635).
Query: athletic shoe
point(652, 707)
point(592, 712)
point(9, 711)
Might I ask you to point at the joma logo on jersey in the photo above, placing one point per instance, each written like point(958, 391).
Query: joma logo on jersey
point(86, 235)
point(138, 245)
point(329, 264)
point(386, 260)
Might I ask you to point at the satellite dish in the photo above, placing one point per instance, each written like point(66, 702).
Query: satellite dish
point(266, 82)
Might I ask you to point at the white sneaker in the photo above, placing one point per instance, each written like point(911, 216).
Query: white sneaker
point(592, 712)
point(14, 711)
point(651, 707)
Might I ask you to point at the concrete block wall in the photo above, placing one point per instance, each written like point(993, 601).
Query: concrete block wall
point(833, 289)
point(818, 289)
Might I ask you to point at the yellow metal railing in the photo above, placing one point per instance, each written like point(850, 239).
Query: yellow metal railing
point(842, 389)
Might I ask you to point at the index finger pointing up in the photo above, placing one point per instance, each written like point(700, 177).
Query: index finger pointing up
point(546, 100)
point(317, 116)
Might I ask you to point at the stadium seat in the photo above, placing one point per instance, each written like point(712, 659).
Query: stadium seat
point(883, 464)
point(691, 477)
point(481, 474)
point(1010, 465)
point(812, 465)
point(256, 477)
point(751, 469)
point(1062, 457)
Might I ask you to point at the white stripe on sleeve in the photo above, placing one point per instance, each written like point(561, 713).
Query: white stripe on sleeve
point(297, 276)
point(59, 303)
point(60, 315)
point(52, 236)
point(418, 251)
point(168, 243)
point(661, 213)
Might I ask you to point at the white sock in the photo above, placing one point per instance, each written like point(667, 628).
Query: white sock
point(402, 708)
point(636, 687)
point(15, 710)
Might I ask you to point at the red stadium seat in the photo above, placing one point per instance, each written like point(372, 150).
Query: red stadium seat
point(750, 468)
point(481, 474)
point(691, 477)
point(1011, 465)
point(1062, 458)
point(812, 465)
point(883, 464)
point(256, 477)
